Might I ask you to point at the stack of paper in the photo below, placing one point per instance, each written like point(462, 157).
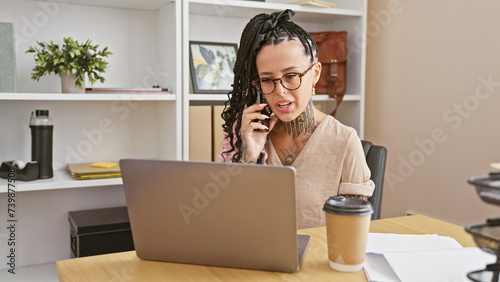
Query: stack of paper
point(400, 257)
point(84, 171)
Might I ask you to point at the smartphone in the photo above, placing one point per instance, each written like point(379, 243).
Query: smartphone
point(267, 110)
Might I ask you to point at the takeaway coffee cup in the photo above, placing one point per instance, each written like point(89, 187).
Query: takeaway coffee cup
point(347, 224)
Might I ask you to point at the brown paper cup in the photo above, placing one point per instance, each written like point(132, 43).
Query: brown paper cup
point(347, 226)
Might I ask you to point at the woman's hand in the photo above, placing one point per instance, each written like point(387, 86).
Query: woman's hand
point(254, 129)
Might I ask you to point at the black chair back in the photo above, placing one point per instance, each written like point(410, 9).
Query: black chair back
point(376, 158)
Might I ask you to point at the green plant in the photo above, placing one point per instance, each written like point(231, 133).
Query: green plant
point(71, 58)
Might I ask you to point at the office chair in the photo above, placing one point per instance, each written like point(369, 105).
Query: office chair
point(376, 158)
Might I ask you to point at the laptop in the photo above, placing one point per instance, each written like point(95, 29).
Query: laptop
point(216, 214)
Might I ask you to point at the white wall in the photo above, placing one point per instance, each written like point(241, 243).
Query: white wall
point(428, 103)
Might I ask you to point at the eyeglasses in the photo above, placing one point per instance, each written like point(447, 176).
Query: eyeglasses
point(290, 81)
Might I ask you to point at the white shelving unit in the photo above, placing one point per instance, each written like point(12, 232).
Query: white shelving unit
point(163, 21)
point(150, 41)
point(223, 21)
point(144, 37)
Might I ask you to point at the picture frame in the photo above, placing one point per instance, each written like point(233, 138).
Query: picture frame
point(211, 66)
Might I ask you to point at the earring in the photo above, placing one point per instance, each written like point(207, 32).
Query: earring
point(314, 89)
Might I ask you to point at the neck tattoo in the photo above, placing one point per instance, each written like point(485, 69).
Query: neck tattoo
point(303, 124)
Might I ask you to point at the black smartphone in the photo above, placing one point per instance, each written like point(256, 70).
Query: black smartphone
point(265, 111)
point(260, 99)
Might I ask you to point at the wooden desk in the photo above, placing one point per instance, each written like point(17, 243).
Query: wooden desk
point(127, 266)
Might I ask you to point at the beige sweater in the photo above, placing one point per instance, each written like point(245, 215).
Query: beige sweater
point(331, 163)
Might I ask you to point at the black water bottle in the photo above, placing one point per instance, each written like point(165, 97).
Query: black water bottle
point(41, 142)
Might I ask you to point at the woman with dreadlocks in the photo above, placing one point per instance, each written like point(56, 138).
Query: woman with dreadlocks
point(275, 72)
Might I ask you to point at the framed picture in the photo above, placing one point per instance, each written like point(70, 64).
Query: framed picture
point(212, 66)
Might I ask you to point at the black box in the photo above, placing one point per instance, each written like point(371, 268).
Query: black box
point(100, 231)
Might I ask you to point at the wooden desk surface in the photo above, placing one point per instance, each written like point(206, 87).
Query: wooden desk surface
point(126, 266)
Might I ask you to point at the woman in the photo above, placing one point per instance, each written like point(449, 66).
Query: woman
point(278, 61)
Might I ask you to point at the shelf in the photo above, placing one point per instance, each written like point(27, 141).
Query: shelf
point(61, 180)
point(223, 97)
point(237, 8)
point(208, 97)
point(242, 9)
point(125, 4)
point(85, 97)
point(347, 97)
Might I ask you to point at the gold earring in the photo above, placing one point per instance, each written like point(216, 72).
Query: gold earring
point(314, 89)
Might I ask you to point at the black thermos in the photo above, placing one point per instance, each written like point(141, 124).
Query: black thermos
point(41, 142)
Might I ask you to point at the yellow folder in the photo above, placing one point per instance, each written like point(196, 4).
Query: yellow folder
point(84, 171)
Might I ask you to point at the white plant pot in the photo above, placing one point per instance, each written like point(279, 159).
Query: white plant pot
point(68, 83)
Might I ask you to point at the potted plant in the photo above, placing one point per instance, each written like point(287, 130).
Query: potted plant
point(71, 61)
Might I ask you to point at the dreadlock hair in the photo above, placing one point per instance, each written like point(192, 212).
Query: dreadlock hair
point(261, 30)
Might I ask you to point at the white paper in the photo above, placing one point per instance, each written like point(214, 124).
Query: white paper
point(378, 269)
point(408, 257)
point(386, 242)
point(441, 265)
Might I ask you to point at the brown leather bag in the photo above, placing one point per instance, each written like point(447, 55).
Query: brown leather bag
point(332, 48)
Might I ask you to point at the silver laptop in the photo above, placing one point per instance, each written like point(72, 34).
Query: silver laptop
point(218, 214)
